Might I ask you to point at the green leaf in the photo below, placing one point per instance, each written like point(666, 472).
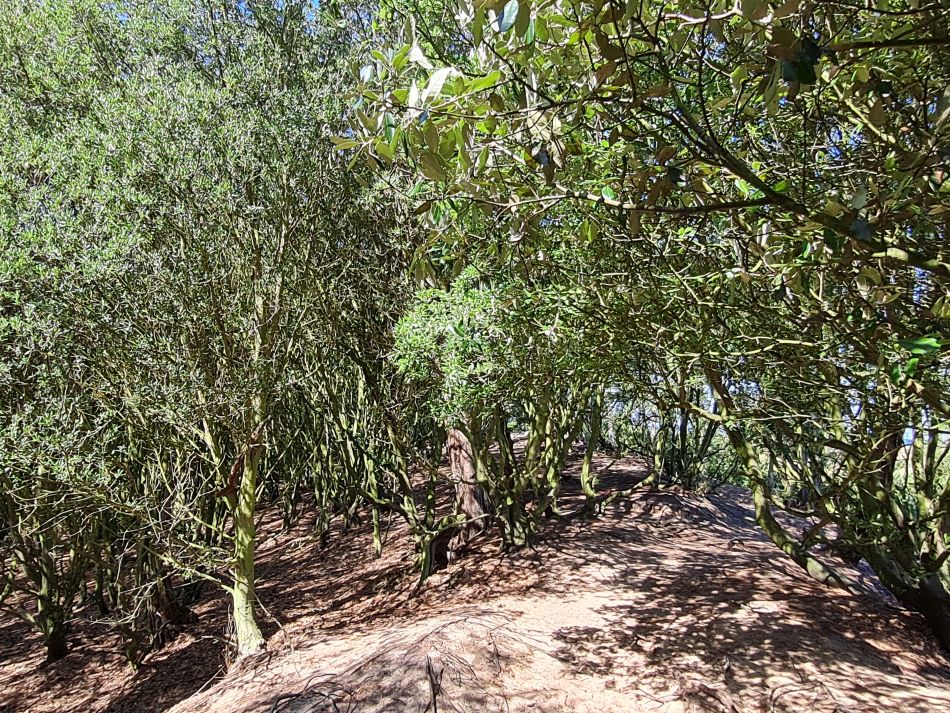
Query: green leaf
point(739, 74)
point(478, 25)
point(389, 126)
point(508, 16)
point(941, 308)
point(834, 208)
point(418, 57)
point(383, 149)
point(899, 372)
point(431, 167)
point(343, 144)
point(860, 198)
point(910, 368)
point(754, 9)
point(608, 193)
point(529, 33)
point(436, 82)
point(486, 82)
point(412, 100)
point(523, 19)
point(921, 346)
point(877, 115)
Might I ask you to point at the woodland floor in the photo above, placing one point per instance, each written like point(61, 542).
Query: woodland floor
point(668, 602)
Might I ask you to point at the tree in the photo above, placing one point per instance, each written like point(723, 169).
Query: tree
point(490, 346)
point(769, 178)
point(214, 253)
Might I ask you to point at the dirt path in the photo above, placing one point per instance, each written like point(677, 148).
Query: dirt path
point(663, 604)
point(666, 603)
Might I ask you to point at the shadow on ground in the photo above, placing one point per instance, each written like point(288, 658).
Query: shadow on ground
point(666, 599)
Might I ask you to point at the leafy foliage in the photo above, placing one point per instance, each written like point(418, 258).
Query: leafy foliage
point(758, 192)
point(275, 253)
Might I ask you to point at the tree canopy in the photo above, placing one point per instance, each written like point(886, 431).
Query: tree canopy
point(756, 196)
point(283, 255)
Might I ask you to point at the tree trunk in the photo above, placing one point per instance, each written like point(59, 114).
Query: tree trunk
point(655, 478)
point(49, 614)
point(55, 642)
point(52, 621)
point(506, 447)
point(249, 638)
point(926, 595)
point(762, 500)
point(468, 495)
point(931, 599)
point(588, 479)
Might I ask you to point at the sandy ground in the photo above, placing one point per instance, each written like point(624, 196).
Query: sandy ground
point(668, 602)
